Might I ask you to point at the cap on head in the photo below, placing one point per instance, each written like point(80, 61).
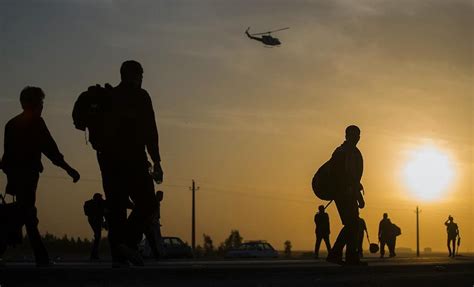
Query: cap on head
point(31, 97)
point(385, 215)
point(97, 196)
point(321, 208)
point(130, 70)
point(450, 217)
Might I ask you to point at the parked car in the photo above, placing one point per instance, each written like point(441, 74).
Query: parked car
point(253, 249)
point(173, 247)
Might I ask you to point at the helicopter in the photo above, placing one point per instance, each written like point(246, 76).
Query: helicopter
point(266, 38)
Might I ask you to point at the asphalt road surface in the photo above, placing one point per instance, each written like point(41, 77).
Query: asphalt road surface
point(408, 271)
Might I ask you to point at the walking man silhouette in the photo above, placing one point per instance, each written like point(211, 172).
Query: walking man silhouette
point(129, 133)
point(453, 232)
point(321, 219)
point(26, 138)
point(347, 168)
point(386, 236)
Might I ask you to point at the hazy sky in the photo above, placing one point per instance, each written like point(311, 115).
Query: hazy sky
point(252, 124)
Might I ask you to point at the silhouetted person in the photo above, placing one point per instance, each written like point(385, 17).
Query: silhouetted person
point(386, 236)
point(321, 219)
point(129, 133)
point(453, 232)
point(347, 168)
point(94, 210)
point(26, 139)
point(362, 230)
point(153, 234)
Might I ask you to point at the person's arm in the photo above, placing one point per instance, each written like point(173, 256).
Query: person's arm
point(50, 149)
point(151, 140)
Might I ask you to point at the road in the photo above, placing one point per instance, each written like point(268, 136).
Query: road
point(408, 271)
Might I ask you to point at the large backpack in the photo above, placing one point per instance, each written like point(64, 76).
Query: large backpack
point(89, 207)
point(88, 112)
point(323, 182)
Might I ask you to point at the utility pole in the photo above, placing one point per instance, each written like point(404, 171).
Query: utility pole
point(193, 223)
point(418, 211)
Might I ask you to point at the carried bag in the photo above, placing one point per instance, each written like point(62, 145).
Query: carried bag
point(396, 230)
point(11, 224)
point(88, 112)
point(323, 182)
point(373, 247)
point(89, 208)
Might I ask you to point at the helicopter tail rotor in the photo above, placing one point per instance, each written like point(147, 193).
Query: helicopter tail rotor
point(247, 31)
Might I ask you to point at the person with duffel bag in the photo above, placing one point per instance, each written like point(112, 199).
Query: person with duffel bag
point(339, 180)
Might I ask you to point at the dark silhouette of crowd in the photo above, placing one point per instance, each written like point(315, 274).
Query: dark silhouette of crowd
point(122, 129)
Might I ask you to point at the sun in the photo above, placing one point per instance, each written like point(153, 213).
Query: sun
point(428, 173)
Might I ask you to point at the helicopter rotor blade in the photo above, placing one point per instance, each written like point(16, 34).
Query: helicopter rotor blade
point(286, 28)
point(269, 32)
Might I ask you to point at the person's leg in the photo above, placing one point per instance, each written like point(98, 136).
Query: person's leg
point(349, 212)
point(382, 248)
point(336, 251)
point(316, 246)
point(327, 242)
point(159, 240)
point(352, 255)
point(114, 183)
point(359, 245)
point(393, 245)
point(26, 199)
point(31, 226)
point(96, 228)
point(448, 243)
point(143, 196)
point(335, 254)
point(454, 247)
point(116, 218)
point(152, 241)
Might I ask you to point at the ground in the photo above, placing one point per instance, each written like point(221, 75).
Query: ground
point(402, 271)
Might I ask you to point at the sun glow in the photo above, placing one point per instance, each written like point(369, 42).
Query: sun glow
point(428, 173)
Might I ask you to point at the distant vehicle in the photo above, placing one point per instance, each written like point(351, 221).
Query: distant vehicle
point(253, 249)
point(266, 37)
point(174, 247)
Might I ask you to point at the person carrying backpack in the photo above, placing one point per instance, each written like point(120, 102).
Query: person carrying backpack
point(94, 209)
point(388, 233)
point(346, 166)
point(122, 129)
